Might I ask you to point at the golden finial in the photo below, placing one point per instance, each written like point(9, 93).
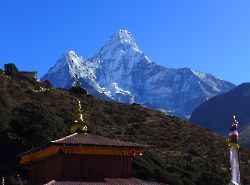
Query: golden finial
point(78, 125)
point(78, 113)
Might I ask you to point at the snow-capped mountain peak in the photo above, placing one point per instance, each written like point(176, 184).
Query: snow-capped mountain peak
point(123, 73)
point(121, 43)
point(71, 61)
point(68, 67)
point(126, 38)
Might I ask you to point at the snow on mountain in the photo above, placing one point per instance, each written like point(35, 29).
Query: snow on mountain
point(70, 66)
point(121, 71)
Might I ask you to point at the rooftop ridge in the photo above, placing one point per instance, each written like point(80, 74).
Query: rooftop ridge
point(61, 139)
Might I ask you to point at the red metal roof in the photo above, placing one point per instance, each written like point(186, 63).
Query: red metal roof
point(130, 181)
point(86, 139)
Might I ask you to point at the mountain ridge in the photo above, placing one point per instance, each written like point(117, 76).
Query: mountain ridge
point(122, 72)
point(215, 113)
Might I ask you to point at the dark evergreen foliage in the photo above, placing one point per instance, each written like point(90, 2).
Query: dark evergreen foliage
point(10, 69)
point(48, 84)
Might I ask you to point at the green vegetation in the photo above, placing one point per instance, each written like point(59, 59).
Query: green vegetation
point(179, 152)
point(10, 69)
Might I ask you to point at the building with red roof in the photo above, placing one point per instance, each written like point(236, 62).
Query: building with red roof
point(82, 158)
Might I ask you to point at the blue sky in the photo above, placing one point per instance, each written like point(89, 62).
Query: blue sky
point(212, 36)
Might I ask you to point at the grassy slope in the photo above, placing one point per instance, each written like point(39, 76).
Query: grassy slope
point(180, 152)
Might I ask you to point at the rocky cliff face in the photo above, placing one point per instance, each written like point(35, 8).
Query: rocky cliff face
point(122, 72)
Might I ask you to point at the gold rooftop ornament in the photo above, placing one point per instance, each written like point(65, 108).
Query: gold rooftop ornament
point(78, 125)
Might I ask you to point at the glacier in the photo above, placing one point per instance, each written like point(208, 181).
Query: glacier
point(120, 71)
